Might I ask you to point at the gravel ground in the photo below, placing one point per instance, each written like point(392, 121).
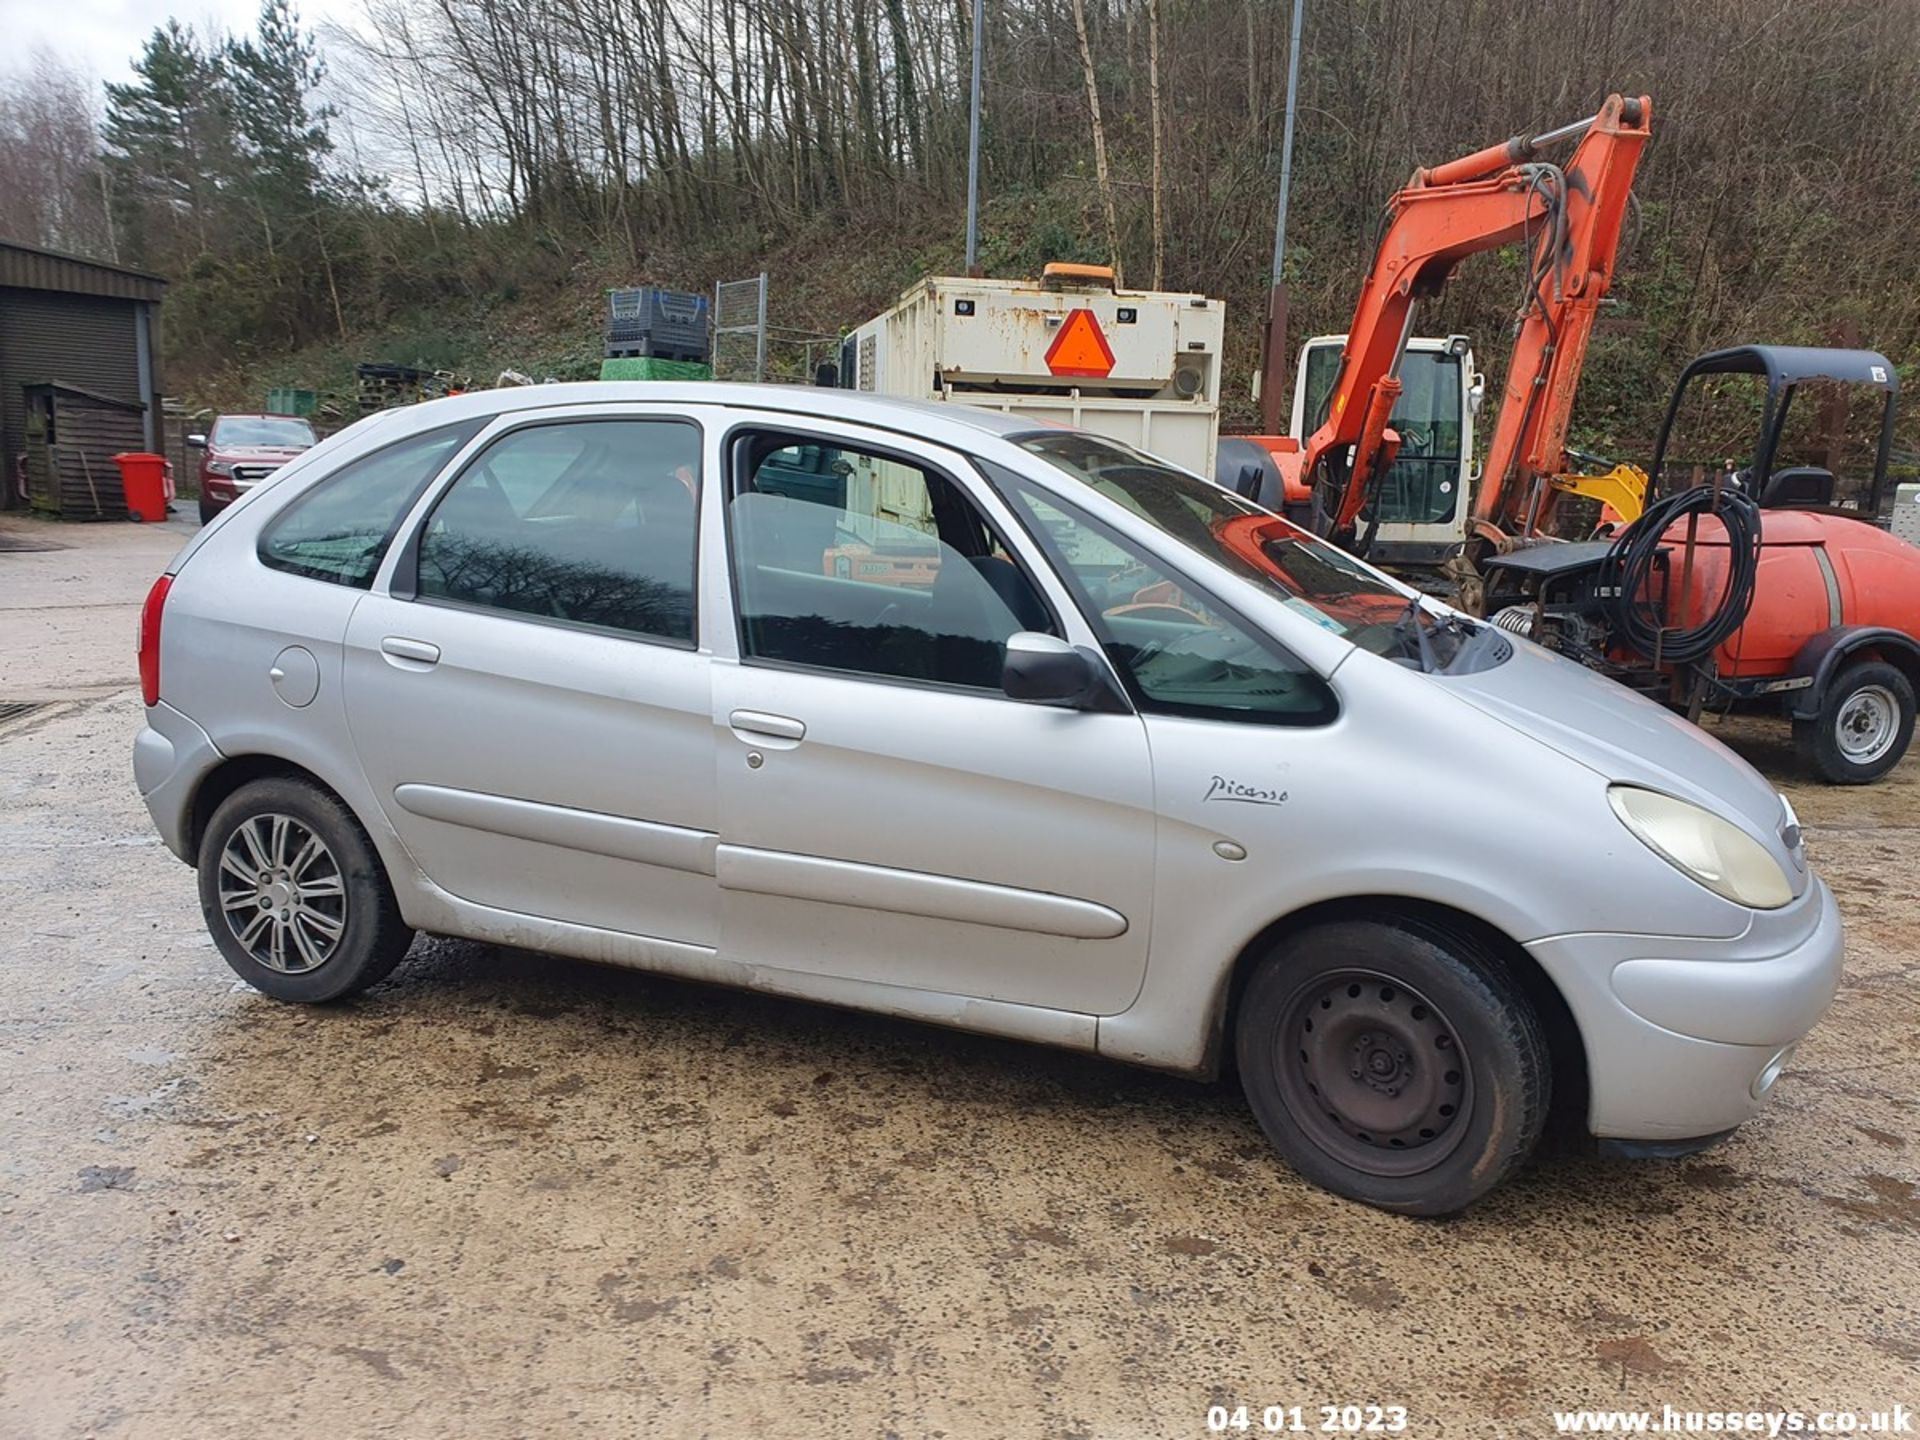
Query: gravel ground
point(505, 1195)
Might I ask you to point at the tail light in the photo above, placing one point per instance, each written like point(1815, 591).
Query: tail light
point(150, 639)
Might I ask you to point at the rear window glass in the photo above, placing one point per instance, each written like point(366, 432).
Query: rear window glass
point(340, 529)
point(590, 522)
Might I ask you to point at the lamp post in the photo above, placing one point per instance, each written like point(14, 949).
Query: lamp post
point(973, 142)
point(1273, 367)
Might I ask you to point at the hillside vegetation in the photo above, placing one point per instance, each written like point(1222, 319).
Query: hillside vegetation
point(455, 182)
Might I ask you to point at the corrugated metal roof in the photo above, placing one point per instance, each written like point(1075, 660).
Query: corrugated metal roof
point(27, 267)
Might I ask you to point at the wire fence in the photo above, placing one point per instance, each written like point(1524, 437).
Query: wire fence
point(740, 329)
point(747, 347)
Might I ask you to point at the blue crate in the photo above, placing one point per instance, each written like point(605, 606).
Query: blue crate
point(658, 324)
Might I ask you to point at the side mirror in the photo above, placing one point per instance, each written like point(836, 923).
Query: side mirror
point(1477, 393)
point(196, 442)
point(1048, 671)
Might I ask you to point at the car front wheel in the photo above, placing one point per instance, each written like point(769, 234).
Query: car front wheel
point(1393, 1064)
point(294, 893)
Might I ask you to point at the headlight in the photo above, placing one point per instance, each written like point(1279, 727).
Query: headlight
point(1715, 852)
point(219, 467)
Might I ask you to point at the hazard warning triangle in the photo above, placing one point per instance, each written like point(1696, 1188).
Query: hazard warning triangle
point(1080, 348)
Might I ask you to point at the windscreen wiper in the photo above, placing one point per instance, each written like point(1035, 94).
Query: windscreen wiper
point(1411, 633)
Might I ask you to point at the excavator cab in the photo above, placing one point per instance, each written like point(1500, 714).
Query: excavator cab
point(1424, 498)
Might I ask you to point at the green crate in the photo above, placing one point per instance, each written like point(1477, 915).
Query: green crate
point(646, 368)
point(282, 401)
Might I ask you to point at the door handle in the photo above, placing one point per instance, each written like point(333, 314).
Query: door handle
point(418, 651)
point(773, 727)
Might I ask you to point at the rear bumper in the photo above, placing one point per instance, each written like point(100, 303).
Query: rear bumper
point(1685, 1037)
point(170, 756)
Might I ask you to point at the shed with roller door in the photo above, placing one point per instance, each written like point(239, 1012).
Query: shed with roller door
point(81, 325)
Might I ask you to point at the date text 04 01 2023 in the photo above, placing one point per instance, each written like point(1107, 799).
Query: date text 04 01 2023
point(1307, 1419)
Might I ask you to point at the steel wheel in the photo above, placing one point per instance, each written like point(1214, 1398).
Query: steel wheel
point(1374, 1073)
point(1867, 724)
point(282, 894)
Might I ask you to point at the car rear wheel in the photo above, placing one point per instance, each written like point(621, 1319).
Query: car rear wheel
point(1395, 1065)
point(295, 896)
point(1864, 726)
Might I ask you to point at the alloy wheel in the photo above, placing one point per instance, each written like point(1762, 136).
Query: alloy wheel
point(282, 894)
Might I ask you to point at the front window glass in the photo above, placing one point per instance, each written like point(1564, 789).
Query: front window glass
point(859, 561)
point(585, 523)
point(265, 432)
point(339, 529)
point(1312, 578)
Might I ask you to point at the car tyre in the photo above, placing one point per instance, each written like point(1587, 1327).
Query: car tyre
point(294, 893)
point(1395, 1064)
point(1864, 726)
point(207, 511)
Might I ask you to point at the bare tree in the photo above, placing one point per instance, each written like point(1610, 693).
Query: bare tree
point(1101, 174)
point(51, 182)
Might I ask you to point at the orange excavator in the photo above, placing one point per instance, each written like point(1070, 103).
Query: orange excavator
point(1569, 216)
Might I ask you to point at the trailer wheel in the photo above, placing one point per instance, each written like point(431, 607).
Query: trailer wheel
point(1864, 726)
point(1393, 1064)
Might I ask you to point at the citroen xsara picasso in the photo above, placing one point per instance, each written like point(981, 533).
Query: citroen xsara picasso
point(925, 710)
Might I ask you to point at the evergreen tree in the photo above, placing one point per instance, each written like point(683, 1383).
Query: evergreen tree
point(169, 143)
point(271, 76)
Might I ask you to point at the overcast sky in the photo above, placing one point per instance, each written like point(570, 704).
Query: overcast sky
point(102, 37)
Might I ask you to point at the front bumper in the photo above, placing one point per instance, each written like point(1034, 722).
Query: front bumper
point(1684, 1037)
point(170, 757)
point(1614, 1148)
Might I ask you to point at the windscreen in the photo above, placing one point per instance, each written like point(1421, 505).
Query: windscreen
point(266, 432)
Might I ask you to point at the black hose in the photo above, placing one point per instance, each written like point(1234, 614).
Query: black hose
point(1626, 578)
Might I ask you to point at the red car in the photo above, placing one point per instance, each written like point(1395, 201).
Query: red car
point(242, 450)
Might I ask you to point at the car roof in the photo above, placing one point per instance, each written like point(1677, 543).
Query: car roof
point(928, 418)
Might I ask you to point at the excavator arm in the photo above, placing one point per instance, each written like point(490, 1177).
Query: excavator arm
point(1571, 216)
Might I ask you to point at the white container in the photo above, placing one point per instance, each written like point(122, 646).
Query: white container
point(988, 343)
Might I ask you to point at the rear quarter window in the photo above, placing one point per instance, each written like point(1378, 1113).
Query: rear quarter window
point(339, 529)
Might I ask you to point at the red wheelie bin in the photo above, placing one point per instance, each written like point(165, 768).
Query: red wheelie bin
point(144, 478)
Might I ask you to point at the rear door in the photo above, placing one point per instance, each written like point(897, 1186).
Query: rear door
point(887, 814)
point(525, 687)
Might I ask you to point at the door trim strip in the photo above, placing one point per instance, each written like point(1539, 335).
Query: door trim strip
point(646, 842)
point(913, 892)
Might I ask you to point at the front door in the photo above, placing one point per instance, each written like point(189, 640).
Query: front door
point(525, 693)
point(887, 814)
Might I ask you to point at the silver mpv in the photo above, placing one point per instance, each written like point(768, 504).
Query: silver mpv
point(927, 710)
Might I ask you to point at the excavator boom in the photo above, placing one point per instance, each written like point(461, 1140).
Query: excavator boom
point(1571, 217)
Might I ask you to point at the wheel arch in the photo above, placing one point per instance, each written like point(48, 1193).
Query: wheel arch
point(1565, 1043)
point(1824, 656)
point(238, 770)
